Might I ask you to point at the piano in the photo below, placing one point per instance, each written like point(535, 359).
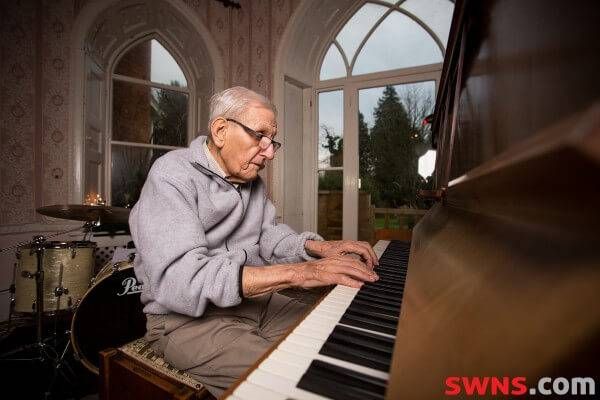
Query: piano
point(502, 275)
point(346, 340)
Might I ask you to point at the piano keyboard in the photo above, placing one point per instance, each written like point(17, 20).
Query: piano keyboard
point(343, 348)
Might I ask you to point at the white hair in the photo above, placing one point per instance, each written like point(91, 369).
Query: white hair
point(233, 102)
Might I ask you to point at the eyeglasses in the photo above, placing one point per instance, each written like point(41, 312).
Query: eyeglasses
point(263, 140)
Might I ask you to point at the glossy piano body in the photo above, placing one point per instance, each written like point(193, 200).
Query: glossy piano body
point(505, 270)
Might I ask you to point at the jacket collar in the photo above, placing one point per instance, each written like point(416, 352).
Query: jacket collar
point(198, 156)
point(205, 165)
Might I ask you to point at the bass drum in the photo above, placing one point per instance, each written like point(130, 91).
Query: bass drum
point(109, 314)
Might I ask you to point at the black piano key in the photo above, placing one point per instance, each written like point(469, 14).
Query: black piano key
point(382, 288)
point(385, 284)
point(369, 322)
point(359, 307)
point(391, 310)
point(357, 355)
point(391, 280)
point(377, 300)
point(400, 273)
point(392, 265)
point(380, 294)
point(323, 386)
point(361, 310)
point(341, 383)
point(394, 259)
point(368, 339)
point(397, 273)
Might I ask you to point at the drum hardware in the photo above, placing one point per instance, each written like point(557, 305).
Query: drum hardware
point(59, 291)
point(27, 274)
point(43, 351)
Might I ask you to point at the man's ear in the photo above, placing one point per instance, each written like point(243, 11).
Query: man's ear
point(218, 132)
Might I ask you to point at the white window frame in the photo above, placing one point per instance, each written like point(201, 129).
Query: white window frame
point(192, 115)
point(350, 169)
point(350, 85)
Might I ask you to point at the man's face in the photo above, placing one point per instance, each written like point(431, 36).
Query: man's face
point(241, 153)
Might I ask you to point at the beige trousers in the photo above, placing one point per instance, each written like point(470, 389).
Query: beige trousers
point(218, 347)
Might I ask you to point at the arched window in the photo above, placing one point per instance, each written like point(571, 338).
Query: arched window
point(376, 83)
point(150, 104)
point(144, 84)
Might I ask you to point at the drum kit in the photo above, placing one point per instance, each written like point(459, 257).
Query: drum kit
point(54, 279)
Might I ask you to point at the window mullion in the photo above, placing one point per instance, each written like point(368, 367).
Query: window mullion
point(129, 79)
point(367, 36)
point(144, 145)
point(350, 156)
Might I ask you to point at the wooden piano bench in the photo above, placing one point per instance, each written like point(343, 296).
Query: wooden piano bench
point(135, 371)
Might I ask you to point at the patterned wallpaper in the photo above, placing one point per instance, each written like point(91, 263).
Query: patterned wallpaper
point(17, 110)
point(247, 37)
point(34, 107)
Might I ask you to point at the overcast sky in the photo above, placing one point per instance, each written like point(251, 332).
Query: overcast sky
point(164, 68)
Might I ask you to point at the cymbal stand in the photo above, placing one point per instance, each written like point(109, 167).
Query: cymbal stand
point(61, 367)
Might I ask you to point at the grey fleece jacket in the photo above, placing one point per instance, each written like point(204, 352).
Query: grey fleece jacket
point(194, 231)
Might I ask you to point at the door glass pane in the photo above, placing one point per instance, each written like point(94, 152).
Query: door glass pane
point(436, 14)
point(412, 46)
point(333, 65)
point(144, 114)
point(331, 129)
point(130, 166)
point(355, 30)
point(395, 159)
point(330, 205)
point(150, 61)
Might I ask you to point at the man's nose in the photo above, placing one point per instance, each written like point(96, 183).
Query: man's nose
point(269, 153)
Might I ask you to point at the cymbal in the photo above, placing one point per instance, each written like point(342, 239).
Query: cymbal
point(81, 212)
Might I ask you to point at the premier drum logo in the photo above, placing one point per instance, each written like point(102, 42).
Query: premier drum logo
point(131, 286)
point(465, 386)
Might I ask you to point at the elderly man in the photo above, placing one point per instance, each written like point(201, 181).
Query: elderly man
point(212, 256)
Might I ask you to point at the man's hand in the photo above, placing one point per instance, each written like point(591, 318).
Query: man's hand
point(336, 270)
point(340, 248)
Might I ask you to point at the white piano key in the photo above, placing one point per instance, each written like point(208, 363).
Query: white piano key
point(329, 307)
point(336, 303)
point(281, 368)
point(307, 341)
point(305, 351)
point(250, 391)
point(313, 332)
point(340, 294)
point(281, 385)
point(334, 312)
point(326, 315)
point(290, 358)
point(320, 318)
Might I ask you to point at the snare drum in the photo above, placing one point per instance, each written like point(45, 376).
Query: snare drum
point(67, 267)
point(109, 314)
